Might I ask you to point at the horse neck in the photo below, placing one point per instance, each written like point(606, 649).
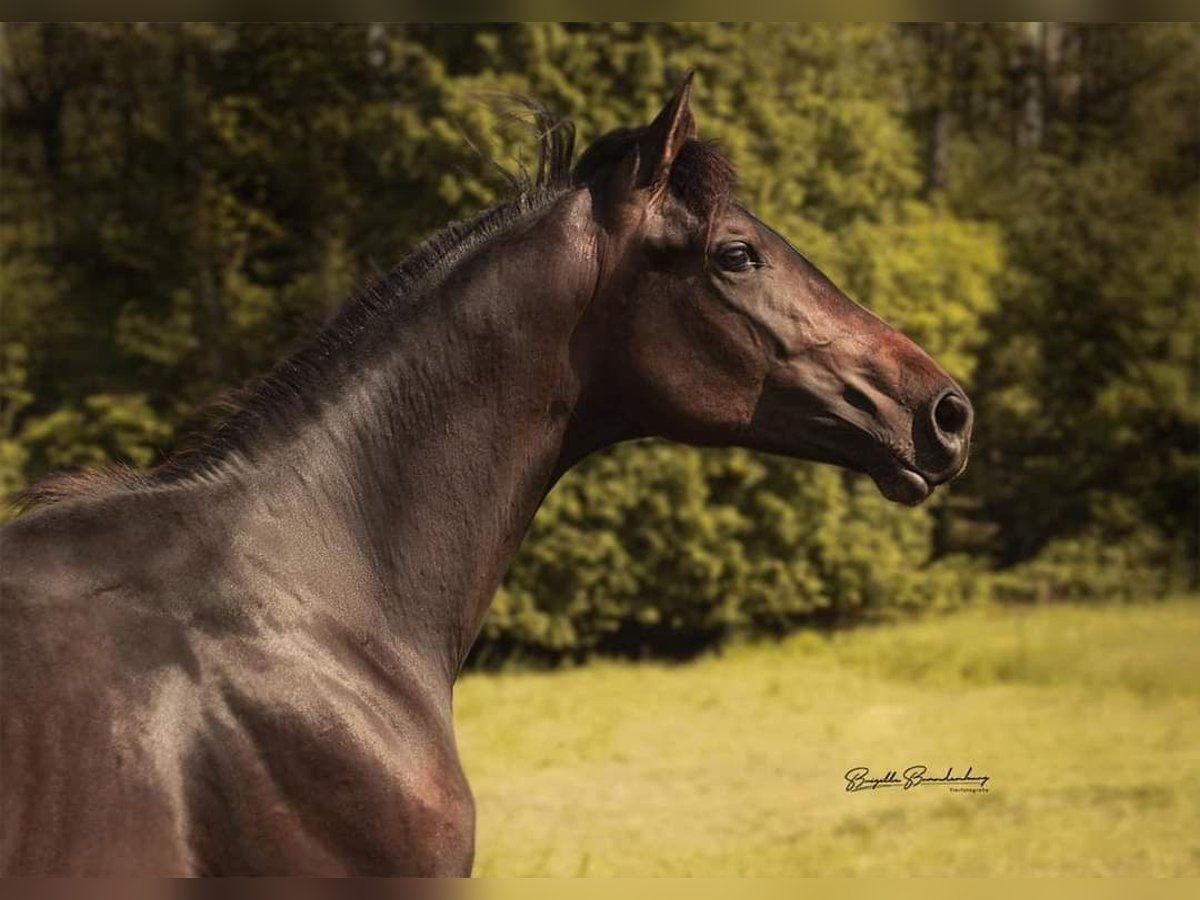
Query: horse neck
point(408, 491)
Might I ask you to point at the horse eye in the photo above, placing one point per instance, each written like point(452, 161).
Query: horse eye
point(736, 257)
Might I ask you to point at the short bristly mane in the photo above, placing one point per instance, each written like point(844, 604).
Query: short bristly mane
point(702, 178)
point(417, 272)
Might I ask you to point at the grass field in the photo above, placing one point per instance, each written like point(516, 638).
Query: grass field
point(1087, 721)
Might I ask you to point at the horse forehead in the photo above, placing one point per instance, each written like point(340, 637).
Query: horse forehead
point(766, 230)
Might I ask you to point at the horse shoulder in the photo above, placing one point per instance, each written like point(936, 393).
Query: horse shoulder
point(344, 769)
point(242, 743)
point(94, 694)
point(99, 687)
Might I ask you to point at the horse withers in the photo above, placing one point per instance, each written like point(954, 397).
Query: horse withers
point(242, 662)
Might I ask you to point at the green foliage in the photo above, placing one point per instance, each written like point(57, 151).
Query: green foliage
point(13, 398)
point(182, 203)
point(1092, 567)
point(104, 427)
point(1091, 372)
point(661, 550)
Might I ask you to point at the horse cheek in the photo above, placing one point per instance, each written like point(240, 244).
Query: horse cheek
point(694, 374)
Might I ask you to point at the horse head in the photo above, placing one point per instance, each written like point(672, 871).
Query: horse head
point(720, 332)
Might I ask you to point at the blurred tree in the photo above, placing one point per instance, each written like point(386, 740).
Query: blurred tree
point(1088, 385)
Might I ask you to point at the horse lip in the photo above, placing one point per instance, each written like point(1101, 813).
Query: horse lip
point(918, 481)
point(901, 483)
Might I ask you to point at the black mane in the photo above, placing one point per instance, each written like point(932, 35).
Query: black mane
point(702, 177)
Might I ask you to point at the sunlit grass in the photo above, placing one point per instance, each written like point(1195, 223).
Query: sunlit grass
point(1087, 721)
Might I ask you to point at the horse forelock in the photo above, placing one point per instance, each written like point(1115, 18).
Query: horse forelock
point(702, 176)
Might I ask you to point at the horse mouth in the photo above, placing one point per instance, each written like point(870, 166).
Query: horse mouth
point(897, 479)
point(834, 441)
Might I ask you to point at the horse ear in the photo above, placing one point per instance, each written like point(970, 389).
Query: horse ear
point(666, 135)
point(641, 175)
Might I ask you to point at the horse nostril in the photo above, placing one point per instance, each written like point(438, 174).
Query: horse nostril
point(952, 414)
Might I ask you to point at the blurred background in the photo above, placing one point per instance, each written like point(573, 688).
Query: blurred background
point(181, 205)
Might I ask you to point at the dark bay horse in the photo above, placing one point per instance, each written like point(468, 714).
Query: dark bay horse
point(243, 661)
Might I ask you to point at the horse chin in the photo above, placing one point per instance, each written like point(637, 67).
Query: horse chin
point(901, 484)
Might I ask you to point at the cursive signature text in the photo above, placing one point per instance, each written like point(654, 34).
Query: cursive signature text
point(859, 778)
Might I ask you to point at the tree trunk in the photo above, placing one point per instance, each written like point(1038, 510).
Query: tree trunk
point(1029, 87)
